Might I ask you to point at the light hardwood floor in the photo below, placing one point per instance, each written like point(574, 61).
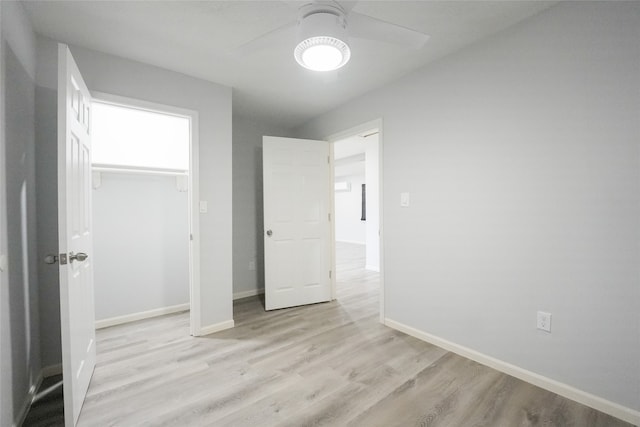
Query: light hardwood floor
point(330, 364)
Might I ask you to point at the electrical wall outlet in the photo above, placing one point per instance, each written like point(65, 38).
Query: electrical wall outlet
point(544, 321)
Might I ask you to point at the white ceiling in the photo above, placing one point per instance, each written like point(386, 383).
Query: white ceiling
point(200, 38)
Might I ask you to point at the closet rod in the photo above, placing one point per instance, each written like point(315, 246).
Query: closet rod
point(138, 170)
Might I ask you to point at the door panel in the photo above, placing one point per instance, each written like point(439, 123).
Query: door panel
point(296, 176)
point(75, 238)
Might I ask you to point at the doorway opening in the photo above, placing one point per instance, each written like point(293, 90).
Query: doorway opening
point(144, 167)
point(356, 208)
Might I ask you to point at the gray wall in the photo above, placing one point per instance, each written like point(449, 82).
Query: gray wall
point(248, 243)
point(141, 244)
point(521, 157)
point(20, 354)
point(118, 76)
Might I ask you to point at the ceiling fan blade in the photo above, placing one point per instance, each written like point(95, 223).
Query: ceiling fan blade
point(367, 27)
point(295, 4)
point(285, 32)
point(346, 5)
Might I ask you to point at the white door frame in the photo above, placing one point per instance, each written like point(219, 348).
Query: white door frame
point(373, 124)
point(193, 192)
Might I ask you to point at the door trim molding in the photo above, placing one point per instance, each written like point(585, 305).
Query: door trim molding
point(227, 324)
point(194, 191)
point(377, 123)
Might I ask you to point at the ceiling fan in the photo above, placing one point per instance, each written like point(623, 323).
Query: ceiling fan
point(324, 28)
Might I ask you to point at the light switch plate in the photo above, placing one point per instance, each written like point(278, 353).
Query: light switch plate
point(3, 262)
point(203, 206)
point(404, 200)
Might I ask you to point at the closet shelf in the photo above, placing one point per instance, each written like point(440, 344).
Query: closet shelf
point(141, 170)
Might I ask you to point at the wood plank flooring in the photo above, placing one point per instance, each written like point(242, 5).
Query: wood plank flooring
point(330, 364)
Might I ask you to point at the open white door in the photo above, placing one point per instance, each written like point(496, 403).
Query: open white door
point(74, 227)
point(296, 178)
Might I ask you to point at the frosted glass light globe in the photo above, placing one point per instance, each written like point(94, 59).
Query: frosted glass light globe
point(322, 53)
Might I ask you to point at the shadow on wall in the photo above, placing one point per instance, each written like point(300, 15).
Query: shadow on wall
point(259, 219)
point(24, 323)
point(47, 222)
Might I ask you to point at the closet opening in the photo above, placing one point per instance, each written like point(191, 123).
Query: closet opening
point(144, 175)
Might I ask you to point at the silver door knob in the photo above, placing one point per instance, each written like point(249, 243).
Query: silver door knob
point(269, 233)
point(80, 256)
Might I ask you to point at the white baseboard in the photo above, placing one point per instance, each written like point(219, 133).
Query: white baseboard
point(627, 414)
point(372, 268)
point(51, 370)
point(28, 400)
point(245, 294)
point(353, 242)
point(215, 328)
point(105, 323)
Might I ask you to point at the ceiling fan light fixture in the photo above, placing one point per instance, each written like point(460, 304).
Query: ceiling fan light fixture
point(322, 36)
point(322, 53)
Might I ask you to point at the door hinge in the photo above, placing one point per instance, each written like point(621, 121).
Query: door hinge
point(329, 274)
point(191, 237)
point(329, 217)
point(328, 160)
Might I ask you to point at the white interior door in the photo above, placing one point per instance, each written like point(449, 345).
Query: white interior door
point(74, 226)
point(296, 178)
